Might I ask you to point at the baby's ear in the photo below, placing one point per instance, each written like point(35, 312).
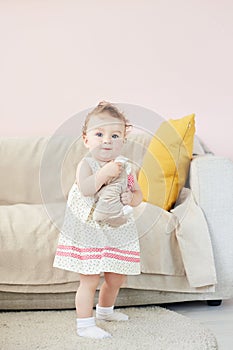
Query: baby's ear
point(128, 129)
point(85, 140)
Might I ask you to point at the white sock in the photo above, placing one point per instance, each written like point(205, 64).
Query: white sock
point(108, 314)
point(86, 327)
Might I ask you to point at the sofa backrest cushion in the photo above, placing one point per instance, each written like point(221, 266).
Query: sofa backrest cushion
point(37, 170)
point(19, 169)
point(28, 168)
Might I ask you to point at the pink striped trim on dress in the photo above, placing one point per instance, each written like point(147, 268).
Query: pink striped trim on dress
point(95, 250)
point(98, 256)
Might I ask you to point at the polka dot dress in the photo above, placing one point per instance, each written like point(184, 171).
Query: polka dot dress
point(88, 247)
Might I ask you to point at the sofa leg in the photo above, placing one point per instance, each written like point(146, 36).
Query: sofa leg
point(214, 302)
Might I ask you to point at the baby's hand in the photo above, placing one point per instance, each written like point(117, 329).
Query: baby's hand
point(112, 169)
point(126, 197)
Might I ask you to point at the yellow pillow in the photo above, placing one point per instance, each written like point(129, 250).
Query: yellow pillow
point(166, 162)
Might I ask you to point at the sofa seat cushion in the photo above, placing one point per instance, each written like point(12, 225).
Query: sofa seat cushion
point(28, 241)
point(29, 237)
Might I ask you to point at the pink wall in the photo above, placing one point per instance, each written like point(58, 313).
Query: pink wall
point(60, 57)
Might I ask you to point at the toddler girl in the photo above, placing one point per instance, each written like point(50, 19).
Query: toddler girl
point(90, 247)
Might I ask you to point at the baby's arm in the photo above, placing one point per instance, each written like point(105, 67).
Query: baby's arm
point(90, 183)
point(132, 197)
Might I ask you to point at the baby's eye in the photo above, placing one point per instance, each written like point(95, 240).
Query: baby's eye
point(115, 136)
point(99, 134)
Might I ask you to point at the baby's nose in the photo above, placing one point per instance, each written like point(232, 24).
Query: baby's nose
point(106, 139)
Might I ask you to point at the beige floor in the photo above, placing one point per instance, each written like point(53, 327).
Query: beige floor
point(219, 319)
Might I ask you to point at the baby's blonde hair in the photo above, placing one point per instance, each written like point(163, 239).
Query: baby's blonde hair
point(108, 107)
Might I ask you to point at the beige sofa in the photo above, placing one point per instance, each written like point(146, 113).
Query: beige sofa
point(180, 252)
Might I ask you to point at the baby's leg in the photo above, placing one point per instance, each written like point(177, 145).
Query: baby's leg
point(107, 297)
point(86, 326)
point(85, 295)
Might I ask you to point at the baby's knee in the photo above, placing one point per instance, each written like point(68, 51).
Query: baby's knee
point(90, 281)
point(114, 280)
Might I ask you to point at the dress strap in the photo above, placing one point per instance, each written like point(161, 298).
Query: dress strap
point(93, 164)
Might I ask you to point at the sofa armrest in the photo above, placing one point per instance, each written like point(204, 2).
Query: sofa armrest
point(211, 181)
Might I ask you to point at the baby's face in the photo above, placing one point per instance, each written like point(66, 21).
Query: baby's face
point(105, 137)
